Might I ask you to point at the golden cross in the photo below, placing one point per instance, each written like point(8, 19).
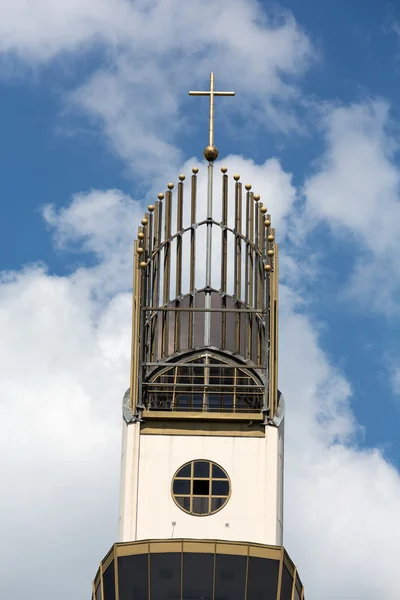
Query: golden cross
point(211, 93)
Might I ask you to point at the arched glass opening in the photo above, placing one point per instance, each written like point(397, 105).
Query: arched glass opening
point(205, 383)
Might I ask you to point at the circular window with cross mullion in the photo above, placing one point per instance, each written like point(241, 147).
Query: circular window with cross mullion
point(201, 488)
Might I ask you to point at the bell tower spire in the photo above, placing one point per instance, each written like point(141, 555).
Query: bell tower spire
point(203, 420)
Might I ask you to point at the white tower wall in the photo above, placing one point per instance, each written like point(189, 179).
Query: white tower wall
point(253, 464)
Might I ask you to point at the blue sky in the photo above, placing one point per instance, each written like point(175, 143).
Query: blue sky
point(95, 119)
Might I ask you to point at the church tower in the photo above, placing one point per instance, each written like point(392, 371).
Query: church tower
point(203, 420)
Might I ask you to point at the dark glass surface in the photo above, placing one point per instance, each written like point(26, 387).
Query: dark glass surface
point(198, 572)
point(185, 471)
point(165, 576)
point(217, 472)
point(287, 582)
point(262, 579)
point(184, 502)
point(201, 468)
point(109, 583)
point(200, 505)
point(201, 487)
point(230, 577)
point(220, 488)
point(296, 594)
point(133, 577)
point(216, 503)
point(181, 486)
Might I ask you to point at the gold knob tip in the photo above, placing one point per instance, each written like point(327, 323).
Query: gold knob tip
point(143, 265)
point(256, 197)
point(270, 238)
point(267, 223)
point(263, 209)
point(248, 186)
point(170, 186)
point(160, 196)
point(150, 208)
point(141, 236)
point(270, 252)
point(195, 170)
point(140, 250)
point(224, 170)
point(267, 268)
point(144, 222)
point(236, 177)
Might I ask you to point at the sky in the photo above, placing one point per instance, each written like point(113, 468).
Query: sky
point(95, 119)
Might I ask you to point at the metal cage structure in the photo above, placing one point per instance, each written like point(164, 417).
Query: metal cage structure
point(204, 333)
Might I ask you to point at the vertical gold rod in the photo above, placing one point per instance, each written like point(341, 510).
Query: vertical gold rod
point(278, 591)
point(93, 591)
point(293, 584)
point(167, 271)
point(261, 231)
point(302, 593)
point(155, 279)
point(150, 259)
point(192, 260)
point(135, 310)
point(247, 572)
point(251, 278)
point(238, 258)
point(224, 255)
point(276, 336)
point(101, 581)
point(116, 582)
point(178, 278)
point(255, 254)
point(207, 296)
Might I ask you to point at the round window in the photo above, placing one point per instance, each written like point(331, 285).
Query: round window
point(201, 487)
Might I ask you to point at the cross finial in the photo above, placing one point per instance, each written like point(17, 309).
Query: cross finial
point(211, 151)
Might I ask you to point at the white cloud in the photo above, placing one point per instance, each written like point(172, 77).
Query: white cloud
point(355, 192)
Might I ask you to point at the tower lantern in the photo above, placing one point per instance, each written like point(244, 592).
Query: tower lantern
point(201, 503)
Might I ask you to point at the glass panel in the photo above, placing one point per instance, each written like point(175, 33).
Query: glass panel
point(133, 577)
point(286, 587)
point(184, 502)
point(216, 321)
point(98, 592)
point(262, 578)
point(220, 488)
point(109, 583)
point(181, 486)
point(230, 577)
point(217, 472)
point(165, 576)
point(201, 487)
point(216, 503)
point(296, 594)
point(200, 506)
point(198, 571)
point(201, 469)
point(185, 471)
point(199, 321)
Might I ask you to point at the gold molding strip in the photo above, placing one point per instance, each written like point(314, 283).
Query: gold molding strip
point(192, 274)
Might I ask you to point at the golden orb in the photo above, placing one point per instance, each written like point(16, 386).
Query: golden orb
point(141, 235)
point(150, 208)
point(160, 196)
point(143, 265)
point(182, 177)
point(267, 268)
point(170, 186)
point(140, 250)
point(263, 209)
point(256, 197)
point(270, 252)
point(195, 170)
point(144, 222)
point(224, 170)
point(270, 238)
point(236, 177)
point(210, 153)
point(267, 223)
point(248, 186)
